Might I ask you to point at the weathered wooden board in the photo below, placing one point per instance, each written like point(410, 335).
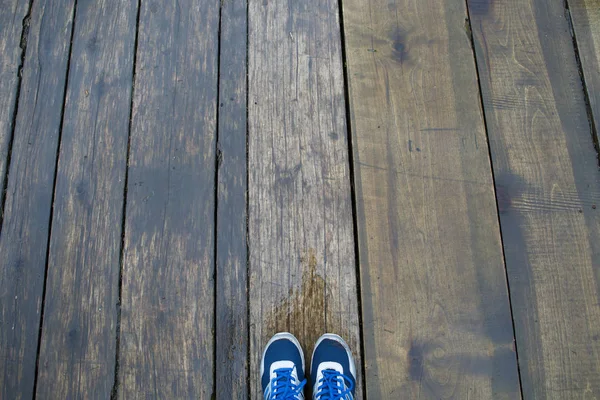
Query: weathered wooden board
point(302, 261)
point(436, 315)
point(167, 320)
point(13, 29)
point(548, 186)
point(231, 264)
point(25, 229)
point(585, 15)
point(77, 354)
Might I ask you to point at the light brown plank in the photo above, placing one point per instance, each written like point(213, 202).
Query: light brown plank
point(13, 27)
point(548, 186)
point(436, 315)
point(231, 263)
point(77, 354)
point(24, 237)
point(167, 320)
point(302, 263)
point(585, 15)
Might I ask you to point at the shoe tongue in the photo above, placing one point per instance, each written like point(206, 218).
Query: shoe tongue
point(330, 365)
point(283, 364)
point(327, 366)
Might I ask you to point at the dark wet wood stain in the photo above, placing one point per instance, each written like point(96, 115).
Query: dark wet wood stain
point(299, 312)
point(231, 264)
point(435, 304)
point(77, 354)
point(305, 304)
point(25, 229)
point(547, 180)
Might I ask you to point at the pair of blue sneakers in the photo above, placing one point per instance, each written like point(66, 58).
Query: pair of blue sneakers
point(332, 372)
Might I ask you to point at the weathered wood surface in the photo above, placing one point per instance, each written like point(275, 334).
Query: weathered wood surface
point(13, 27)
point(77, 353)
point(167, 320)
point(548, 189)
point(302, 262)
point(25, 229)
point(585, 16)
point(436, 315)
point(231, 264)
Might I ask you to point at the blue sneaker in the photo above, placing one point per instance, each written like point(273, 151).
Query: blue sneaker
point(332, 372)
point(282, 368)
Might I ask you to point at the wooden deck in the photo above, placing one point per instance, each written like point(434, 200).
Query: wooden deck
point(182, 179)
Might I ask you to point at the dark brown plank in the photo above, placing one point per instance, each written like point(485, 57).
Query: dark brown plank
point(231, 265)
point(13, 27)
point(77, 353)
point(585, 15)
point(25, 229)
point(548, 186)
point(436, 315)
point(302, 260)
point(167, 320)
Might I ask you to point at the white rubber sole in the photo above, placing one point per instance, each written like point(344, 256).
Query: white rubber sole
point(279, 336)
point(336, 338)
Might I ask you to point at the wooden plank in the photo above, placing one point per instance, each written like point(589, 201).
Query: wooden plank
point(167, 320)
point(231, 264)
point(25, 229)
point(302, 261)
point(436, 315)
point(13, 29)
point(77, 354)
point(548, 185)
point(585, 15)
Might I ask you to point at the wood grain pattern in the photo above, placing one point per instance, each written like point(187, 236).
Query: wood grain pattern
point(548, 185)
point(436, 315)
point(302, 262)
point(12, 27)
point(24, 239)
point(585, 15)
point(167, 320)
point(231, 264)
point(77, 353)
